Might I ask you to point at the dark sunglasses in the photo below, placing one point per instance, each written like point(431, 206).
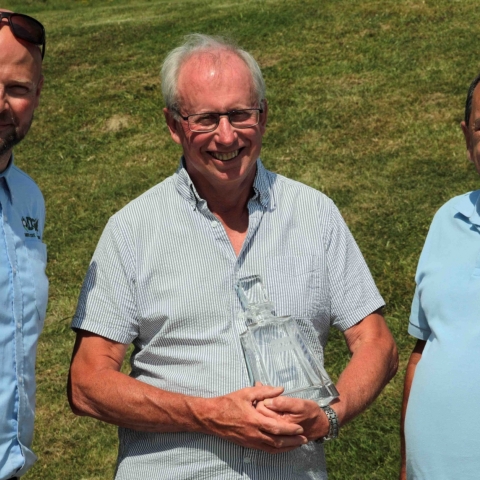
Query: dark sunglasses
point(26, 28)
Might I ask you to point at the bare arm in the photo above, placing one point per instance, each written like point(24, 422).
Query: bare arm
point(97, 388)
point(415, 357)
point(373, 363)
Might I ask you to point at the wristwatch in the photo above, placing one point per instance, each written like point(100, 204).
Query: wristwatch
point(334, 425)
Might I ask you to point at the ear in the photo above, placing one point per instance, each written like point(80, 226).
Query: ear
point(173, 126)
point(263, 116)
point(468, 140)
point(38, 90)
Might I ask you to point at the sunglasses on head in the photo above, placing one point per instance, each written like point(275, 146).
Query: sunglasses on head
point(26, 28)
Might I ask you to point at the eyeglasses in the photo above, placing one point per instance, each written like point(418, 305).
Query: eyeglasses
point(26, 28)
point(208, 121)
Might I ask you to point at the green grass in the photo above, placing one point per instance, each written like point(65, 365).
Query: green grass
point(365, 103)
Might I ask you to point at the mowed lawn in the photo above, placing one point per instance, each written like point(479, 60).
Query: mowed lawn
point(365, 101)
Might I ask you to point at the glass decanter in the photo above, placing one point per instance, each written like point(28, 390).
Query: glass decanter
point(277, 352)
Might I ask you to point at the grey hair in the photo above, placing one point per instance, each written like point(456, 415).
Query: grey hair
point(196, 43)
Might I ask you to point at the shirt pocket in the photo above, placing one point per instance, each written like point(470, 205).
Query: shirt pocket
point(37, 255)
point(294, 284)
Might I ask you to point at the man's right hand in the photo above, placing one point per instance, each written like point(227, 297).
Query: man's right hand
point(233, 417)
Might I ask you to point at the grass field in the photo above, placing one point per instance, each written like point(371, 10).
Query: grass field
point(365, 103)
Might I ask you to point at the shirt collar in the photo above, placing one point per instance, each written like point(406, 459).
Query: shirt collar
point(5, 179)
point(185, 186)
point(261, 185)
point(187, 190)
point(469, 206)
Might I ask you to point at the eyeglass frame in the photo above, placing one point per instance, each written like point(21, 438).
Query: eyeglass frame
point(12, 26)
point(219, 114)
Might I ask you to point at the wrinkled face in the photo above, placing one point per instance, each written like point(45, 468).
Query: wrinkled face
point(472, 130)
point(217, 84)
point(20, 85)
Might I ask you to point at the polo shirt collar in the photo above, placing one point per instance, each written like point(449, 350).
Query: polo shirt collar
point(5, 179)
point(187, 190)
point(469, 206)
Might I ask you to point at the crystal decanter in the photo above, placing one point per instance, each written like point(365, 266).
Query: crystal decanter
point(276, 351)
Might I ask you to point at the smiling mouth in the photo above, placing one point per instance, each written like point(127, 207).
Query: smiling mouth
point(225, 156)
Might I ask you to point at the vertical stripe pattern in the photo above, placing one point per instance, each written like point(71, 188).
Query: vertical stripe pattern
point(163, 278)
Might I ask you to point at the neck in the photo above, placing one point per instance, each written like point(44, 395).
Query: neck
point(225, 199)
point(228, 202)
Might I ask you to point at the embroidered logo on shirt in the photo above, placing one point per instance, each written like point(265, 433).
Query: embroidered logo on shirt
point(31, 227)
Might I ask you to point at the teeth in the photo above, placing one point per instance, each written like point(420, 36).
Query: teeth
point(224, 156)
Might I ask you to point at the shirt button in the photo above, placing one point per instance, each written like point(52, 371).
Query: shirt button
point(19, 325)
point(214, 223)
point(14, 270)
point(247, 459)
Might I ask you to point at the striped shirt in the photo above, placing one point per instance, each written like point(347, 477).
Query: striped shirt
point(163, 278)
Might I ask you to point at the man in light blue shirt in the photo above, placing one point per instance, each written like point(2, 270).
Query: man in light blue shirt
point(442, 388)
point(23, 283)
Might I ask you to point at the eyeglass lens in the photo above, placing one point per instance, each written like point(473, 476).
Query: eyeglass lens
point(210, 121)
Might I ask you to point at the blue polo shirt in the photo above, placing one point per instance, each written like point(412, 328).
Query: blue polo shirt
point(23, 302)
point(442, 426)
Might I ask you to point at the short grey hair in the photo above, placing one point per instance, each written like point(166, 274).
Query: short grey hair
point(198, 43)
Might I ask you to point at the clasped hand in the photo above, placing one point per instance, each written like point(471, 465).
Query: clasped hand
point(258, 417)
point(297, 411)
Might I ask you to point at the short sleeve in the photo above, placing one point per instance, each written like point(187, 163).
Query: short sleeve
point(418, 326)
point(107, 304)
point(353, 292)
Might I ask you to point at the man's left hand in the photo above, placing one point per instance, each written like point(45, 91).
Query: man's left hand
point(306, 413)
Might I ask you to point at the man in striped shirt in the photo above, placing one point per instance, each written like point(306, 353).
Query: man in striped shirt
point(163, 277)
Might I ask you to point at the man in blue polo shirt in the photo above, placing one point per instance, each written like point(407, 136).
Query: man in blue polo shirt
point(23, 283)
point(442, 387)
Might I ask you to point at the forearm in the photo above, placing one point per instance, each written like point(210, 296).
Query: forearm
point(373, 364)
point(116, 398)
point(409, 374)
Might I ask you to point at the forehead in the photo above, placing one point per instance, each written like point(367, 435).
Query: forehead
point(220, 75)
point(16, 52)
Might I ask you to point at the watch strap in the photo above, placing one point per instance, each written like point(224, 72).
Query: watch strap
point(333, 422)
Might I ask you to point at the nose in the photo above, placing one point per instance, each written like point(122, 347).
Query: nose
point(225, 133)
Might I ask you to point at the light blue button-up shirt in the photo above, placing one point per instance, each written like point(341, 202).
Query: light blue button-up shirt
point(23, 302)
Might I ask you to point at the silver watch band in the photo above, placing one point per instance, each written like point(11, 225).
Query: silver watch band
point(334, 425)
